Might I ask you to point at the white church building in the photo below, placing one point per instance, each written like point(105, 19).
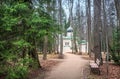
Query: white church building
point(67, 42)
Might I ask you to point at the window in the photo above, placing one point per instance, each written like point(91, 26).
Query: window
point(66, 43)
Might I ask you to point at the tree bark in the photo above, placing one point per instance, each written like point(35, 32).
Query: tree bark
point(33, 53)
point(79, 26)
point(45, 47)
point(89, 26)
point(61, 36)
point(74, 38)
point(117, 5)
point(97, 30)
point(70, 3)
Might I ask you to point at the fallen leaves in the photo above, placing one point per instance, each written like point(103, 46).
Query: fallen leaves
point(47, 65)
point(114, 71)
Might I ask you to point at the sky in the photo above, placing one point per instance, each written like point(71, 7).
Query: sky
point(65, 6)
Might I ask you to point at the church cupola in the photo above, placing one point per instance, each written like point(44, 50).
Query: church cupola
point(70, 29)
point(70, 32)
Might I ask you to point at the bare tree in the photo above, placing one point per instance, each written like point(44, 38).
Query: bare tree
point(88, 6)
point(117, 5)
point(74, 45)
point(45, 47)
point(104, 25)
point(97, 29)
point(61, 36)
point(79, 22)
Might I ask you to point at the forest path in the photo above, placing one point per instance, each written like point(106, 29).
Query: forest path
point(72, 67)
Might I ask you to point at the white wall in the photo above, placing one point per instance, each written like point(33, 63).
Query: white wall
point(69, 34)
point(83, 48)
point(67, 48)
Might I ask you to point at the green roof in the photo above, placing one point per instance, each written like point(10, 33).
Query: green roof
point(82, 42)
point(67, 38)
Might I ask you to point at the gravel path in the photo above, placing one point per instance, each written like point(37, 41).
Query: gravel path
point(72, 67)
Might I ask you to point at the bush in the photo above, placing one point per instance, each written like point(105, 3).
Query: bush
point(116, 58)
point(19, 69)
point(18, 72)
point(116, 46)
point(3, 70)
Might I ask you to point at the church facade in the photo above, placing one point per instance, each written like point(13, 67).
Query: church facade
point(68, 42)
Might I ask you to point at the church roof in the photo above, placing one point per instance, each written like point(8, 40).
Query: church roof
point(70, 29)
point(82, 42)
point(67, 38)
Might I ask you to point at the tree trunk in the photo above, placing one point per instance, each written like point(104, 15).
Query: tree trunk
point(45, 47)
point(79, 24)
point(89, 26)
point(70, 3)
point(97, 30)
point(117, 5)
point(104, 26)
point(57, 44)
point(74, 37)
point(61, 36)
point(33, 53)
point(37, 58)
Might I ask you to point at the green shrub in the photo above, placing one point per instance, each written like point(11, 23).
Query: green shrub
point(3, 70)
point(116, 58)
point(116, 46)
point(18, 72)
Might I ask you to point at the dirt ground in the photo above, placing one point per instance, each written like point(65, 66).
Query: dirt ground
point(47, 65)
point(114, 70)
point(72, 67)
